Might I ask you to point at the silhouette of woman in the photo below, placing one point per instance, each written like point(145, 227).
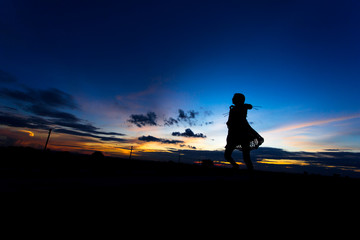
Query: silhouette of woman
point(241, 135)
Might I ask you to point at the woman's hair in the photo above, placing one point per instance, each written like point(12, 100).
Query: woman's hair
point(238, 98)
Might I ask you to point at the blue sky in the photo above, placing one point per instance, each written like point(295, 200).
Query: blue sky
point(107, 62)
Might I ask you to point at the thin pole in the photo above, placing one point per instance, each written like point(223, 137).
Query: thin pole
point(47, 139)
point(131, 152)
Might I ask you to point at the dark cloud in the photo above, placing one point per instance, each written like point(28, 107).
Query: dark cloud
point(112, 139)
point(77, 125)
point(45, 104)
point(6, 108)
point(46, 111)
point(188, 117)
point(160, 140)
point(79, 129)
point(55, 97)
point(85, 127)
point(142, 120)
point(188, 146)
point(337, 149)
point(51, 97)
point(16, 95)
point(171, 121)
point(189, 133)
point(86, 134)
point(23, 122)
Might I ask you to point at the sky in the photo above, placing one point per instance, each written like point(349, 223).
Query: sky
point(160, 75)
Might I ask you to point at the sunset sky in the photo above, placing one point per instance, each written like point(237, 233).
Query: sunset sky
point(160, 75)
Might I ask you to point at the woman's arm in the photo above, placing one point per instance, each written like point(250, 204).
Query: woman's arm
point(248, 106)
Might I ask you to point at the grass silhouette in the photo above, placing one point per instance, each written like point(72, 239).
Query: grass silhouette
point(30, 170)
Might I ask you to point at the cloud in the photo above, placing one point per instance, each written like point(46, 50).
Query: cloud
point(313, 123)
point(185, 117)
point(45, 104)
point(84, 127)
point(23, 122)
point(189, 133)
point(325, 133)
point(188, 117)
point(171, 121)
point(55, 97)
point(188, 146)
point(16, 95)
point(51, 97)
point(160, 140)
point(141, 120)
point(191, 114)
point(87, 134)
point(144, 96)
point(75, 128)
point(337, 149)
point(45, 111)
point(31, 134)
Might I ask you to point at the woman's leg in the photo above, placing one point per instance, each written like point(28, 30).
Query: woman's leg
point(247, 159)
point(228, 157)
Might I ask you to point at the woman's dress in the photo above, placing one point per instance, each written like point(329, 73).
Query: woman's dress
point(240, 133)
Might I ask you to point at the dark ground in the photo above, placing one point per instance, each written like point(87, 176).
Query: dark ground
point(26, 170)
point(81, 188)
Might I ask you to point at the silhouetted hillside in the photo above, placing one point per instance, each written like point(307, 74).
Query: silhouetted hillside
point(27, 169)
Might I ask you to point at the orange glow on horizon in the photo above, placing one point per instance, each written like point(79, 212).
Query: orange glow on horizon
point(31, 134)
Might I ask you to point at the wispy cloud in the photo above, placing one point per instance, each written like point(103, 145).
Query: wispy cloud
point(142, 97)
point(313, 135)
point(160, 140)
point(311, 124)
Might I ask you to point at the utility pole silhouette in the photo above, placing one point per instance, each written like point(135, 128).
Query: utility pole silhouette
point(131, 152)
point(47, 139)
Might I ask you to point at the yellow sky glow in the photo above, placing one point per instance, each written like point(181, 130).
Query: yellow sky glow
point(284, 162)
